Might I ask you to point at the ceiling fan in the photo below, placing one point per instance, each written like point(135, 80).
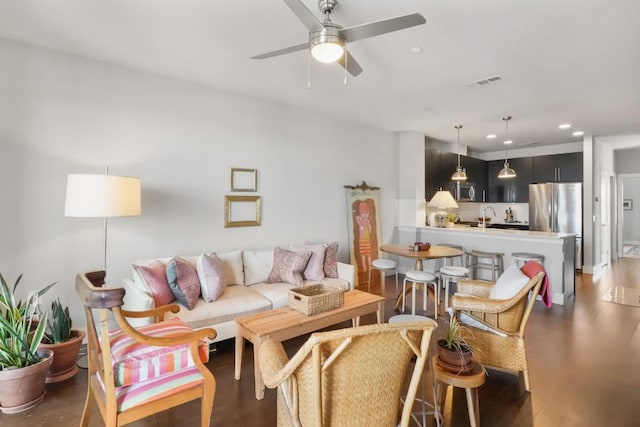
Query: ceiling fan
point(327, 41)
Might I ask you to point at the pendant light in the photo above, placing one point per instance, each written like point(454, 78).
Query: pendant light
point(460, 174)
point(506, 172)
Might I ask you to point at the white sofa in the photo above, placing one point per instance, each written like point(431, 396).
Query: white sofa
point(247, 292)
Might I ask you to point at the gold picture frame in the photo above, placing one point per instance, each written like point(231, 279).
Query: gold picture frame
point(242, 211)
point(244, 179)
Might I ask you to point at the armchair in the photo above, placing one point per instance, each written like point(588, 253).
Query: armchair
point(504, 347)
point(134, 373)
point(352, 376)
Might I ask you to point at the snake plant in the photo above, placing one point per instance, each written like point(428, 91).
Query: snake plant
point(21, 331)
point(59, 324)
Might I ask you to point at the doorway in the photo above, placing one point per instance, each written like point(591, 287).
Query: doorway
point(628, 205)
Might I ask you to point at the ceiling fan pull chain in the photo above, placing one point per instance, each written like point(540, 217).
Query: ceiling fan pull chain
point(308, 69)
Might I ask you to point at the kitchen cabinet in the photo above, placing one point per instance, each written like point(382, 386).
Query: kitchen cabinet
point(514, 190)
point(440, 165)
point(558, 168)
point(476, 174)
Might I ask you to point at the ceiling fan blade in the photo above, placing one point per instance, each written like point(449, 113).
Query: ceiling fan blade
point(304, 14)
point(352, 65)
point(296, 48)
point(371, 29)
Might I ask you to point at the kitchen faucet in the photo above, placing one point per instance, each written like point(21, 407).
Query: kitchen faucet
point(483, 217)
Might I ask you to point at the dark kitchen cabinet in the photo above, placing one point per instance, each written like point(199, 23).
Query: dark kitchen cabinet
point(440, 165)
point(514, 190)
point(477, 175)
point(558, 168)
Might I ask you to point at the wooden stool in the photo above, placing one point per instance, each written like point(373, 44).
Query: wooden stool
point(424, 278)
point(469, 382)
point(448, 274)
point(383, 265)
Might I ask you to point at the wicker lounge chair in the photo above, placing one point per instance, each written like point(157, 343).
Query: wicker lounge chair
point(508, 317)
point(351, 377)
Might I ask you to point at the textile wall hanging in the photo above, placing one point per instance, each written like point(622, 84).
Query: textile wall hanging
point(364, 227)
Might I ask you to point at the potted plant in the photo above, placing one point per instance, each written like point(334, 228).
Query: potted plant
point(63, 341)
point(454, 352)
point(23, 367)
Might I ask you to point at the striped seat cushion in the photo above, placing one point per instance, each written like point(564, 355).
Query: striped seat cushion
point(147, 391)
point(134, 362)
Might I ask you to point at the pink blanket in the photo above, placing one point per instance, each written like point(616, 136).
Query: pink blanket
point(531, 268)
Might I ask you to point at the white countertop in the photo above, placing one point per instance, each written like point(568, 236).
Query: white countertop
point(497, 231)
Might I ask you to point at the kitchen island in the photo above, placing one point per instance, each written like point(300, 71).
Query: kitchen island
point(558, 249)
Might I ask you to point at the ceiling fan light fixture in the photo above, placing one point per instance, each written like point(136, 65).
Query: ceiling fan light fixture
point(327, 45)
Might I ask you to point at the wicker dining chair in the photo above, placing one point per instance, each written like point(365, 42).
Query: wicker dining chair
point(351, 377)
point(134, 373)
point(505, 349)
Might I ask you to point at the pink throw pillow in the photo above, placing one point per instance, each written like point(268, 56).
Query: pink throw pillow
point(315, 266)
point(211, 274)
point(288, 266)
point(183, 281)
point(155, 277)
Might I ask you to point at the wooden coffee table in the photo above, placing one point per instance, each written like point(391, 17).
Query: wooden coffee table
point(285, 323)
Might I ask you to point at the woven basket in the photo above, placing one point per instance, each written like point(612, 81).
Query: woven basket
point(314, 299)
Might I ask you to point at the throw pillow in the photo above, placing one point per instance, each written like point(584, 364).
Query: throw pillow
point(331, 260)
point(257, 265)
point(315, 266)
point(509, 283)
point(183, 281)
point(211, 275)
point(154, 277)
point(288, 266)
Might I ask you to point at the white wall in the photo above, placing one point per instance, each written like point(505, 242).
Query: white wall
point(62, 114)
point(631, 218)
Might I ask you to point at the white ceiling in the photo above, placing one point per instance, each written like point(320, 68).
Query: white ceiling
point(575, 61)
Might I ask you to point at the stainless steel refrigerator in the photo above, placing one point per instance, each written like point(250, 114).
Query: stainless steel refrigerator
point(557, 207)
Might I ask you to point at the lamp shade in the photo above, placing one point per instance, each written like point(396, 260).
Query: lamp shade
point(442, 199)
point(102, 196)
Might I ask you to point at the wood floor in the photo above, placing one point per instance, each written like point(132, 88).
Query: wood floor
point(583, 359)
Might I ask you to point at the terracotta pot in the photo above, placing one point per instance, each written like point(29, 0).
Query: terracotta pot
point(23, 388)
point(66, 354)
point(453, 360)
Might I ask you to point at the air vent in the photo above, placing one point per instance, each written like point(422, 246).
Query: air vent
point(485, 82)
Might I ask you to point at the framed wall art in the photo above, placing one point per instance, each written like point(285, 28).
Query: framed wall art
point(244, 179)
point(627, 204)
point(365, 229)
point(242, 211)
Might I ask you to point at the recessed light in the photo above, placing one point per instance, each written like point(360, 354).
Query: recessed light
point(491, 136)
point(578, 133)
point(507, 142)
point(416, 49)
point(564, 126)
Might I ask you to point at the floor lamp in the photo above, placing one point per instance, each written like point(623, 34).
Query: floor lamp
point(101, 196)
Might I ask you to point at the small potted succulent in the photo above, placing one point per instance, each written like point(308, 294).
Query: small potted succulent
point(454, 352)
point(23, 366)
point(63, 341)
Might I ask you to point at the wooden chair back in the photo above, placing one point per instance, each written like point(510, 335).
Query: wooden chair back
point(103, 311)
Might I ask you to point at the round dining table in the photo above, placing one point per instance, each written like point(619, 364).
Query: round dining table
point(434, 252)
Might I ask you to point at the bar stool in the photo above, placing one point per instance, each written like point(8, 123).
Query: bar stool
point(383, 265)
point(457, 260)
point(492, 261)
point(423, 278)
point(520, 258)
point(448, 274)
